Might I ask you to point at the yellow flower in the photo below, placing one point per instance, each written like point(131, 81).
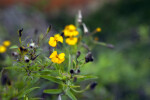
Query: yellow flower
point(2, 49)
point(71, 40)
point(96, 38)
point(98, 29)
point(6, 43)
point(53, 40)
point(57, 58)
point(70, 30)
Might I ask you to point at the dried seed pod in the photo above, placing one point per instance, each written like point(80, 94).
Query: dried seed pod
point(93, 85)
point(15, 54)
point(32, 45)
point(26, 58)
point(89, 57)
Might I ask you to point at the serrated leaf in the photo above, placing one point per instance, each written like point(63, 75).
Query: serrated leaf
point(51, 78)
point(14, 47)
point(53, 91)
point(26, 91)
point(69, 93)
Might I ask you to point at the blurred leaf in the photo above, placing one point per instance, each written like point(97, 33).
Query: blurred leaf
point(51, 78)
point(14, 47)
point(53, 91)
point(26, 92)
point(69, 93)
point(83, 78)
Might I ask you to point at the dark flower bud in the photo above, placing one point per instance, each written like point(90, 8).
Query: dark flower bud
point(26, 59)
point(71, 71)
point(22, 49)
point(15, 54)
point(78, 71)
point(78, 54)
point(89, 57)
point(74, 79)
point(62, 34)
point(93, 85)
point(20, 32)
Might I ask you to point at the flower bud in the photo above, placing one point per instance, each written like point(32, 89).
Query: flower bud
point(49, 28)
point(20, 32)
point(15, 54)
point(79, 17)
point(78, 54)
point(93, 85)
point(32, 45)
point(62, 34)
point(85, 29)
point(89, 57)
point(71, 71)
point(26, 58)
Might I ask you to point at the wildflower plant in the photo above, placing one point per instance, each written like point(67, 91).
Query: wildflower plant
point(70, 50)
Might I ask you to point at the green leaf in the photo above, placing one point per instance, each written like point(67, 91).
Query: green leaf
point(83, 78)
point(69, 93)
point(51, 78)
point(14, 47)
point(26, 91)
point(53, 91)
point(14, 68)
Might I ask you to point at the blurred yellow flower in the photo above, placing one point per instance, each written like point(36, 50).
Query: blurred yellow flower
point(70, 30)
point(2, 49)
point(6, 43)
point(96, 38)
point(57, 58)
point(98, 29)
point(53, 40)
point(71, 40)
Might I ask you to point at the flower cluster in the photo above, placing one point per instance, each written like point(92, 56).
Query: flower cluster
point(3, 47)
point(54, 56)
point(70, 32)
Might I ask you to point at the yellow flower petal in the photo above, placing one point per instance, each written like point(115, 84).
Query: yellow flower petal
point(60, 61)
point(2, 49)
point(52, 42)
point(72, 40)
point(53, 55)
point(6, 43)
point(72, 27)
point(61, 56)
point(55, 60)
